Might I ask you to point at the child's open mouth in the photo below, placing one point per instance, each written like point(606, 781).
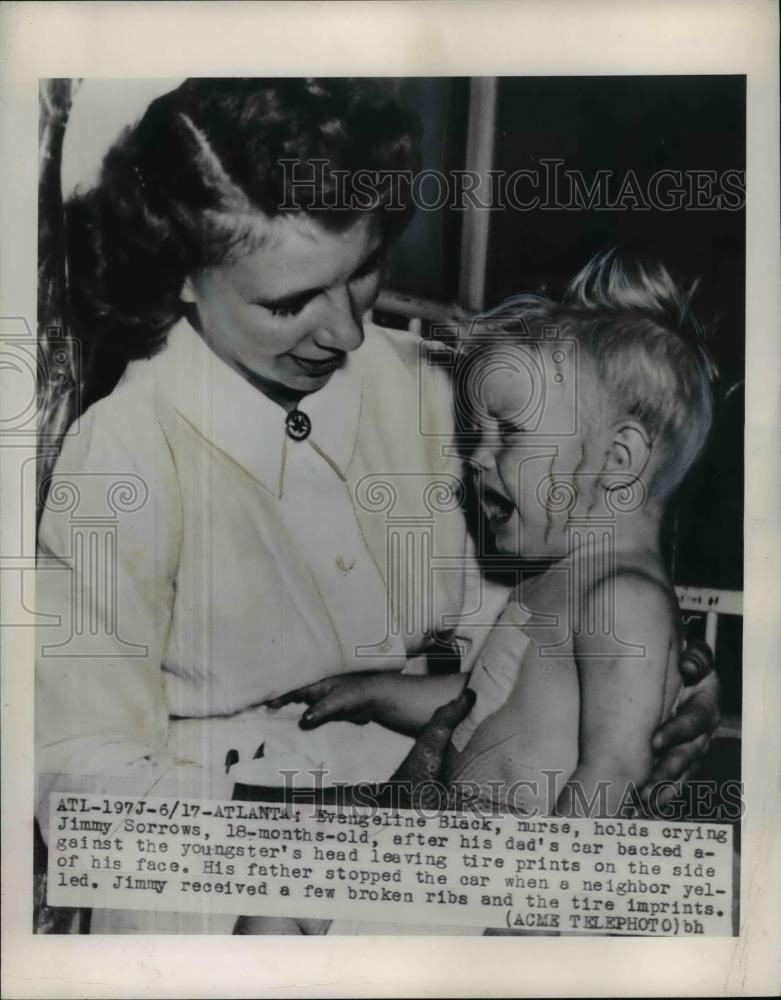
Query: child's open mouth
point(497, 508)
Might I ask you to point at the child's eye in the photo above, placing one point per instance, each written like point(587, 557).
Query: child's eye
point(507, 429)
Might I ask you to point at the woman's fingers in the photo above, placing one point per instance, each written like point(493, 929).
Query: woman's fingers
point(697, 716)
point(667, 780)
point(683, 740)
point(696, 661)
point(448, 716)
point(677, 764)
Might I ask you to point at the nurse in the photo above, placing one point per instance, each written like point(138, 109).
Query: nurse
point(263, 499)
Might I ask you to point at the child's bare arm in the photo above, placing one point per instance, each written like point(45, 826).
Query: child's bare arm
point(400, 702)
point(623, 679)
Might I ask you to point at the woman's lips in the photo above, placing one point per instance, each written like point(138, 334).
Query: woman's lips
point(497, 507)
point(318, 366)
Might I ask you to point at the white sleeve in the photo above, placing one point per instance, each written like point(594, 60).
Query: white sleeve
point(105, 583)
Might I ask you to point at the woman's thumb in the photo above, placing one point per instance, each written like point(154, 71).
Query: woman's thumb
point(696, 661)
point(449, 716)
point(424, 760)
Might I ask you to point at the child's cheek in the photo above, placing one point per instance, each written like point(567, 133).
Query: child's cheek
point(513, 466)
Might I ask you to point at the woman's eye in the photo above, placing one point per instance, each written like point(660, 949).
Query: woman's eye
point(284, 310)
point(290, 307)
point(370, 269)
point(362, 275)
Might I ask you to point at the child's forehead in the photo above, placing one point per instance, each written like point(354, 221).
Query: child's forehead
point(504, 385)
point(512, 379)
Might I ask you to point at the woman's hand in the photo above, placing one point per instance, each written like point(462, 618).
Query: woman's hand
point(424, 761)
point(344, 697)
point(683, 739)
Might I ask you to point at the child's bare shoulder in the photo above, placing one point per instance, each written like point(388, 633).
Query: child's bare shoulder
point(545, 590)
point(633, 603)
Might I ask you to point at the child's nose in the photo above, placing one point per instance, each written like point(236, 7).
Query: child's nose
point(484, 456)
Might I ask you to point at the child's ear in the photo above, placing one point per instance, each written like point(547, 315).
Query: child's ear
point(628, 454)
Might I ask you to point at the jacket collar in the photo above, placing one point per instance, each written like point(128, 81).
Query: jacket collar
point(245, 424)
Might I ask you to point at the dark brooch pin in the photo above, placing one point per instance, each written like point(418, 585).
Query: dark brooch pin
point(298, 425)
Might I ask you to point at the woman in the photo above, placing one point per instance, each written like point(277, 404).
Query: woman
point(261, 490)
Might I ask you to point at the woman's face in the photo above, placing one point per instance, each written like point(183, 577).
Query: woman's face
point(286, 314)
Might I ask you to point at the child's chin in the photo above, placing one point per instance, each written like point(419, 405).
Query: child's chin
point(507, 541)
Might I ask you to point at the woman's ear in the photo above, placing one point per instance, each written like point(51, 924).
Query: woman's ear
point(188, 292)
point(628, 454)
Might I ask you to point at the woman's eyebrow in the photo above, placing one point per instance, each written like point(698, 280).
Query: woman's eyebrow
point(305, 294)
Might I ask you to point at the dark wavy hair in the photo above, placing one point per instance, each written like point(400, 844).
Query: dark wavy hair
point(210, 153)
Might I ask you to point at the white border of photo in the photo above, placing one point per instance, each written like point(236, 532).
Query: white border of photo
point(167, 41)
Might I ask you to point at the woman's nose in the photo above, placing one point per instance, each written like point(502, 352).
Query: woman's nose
point(341, 329)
